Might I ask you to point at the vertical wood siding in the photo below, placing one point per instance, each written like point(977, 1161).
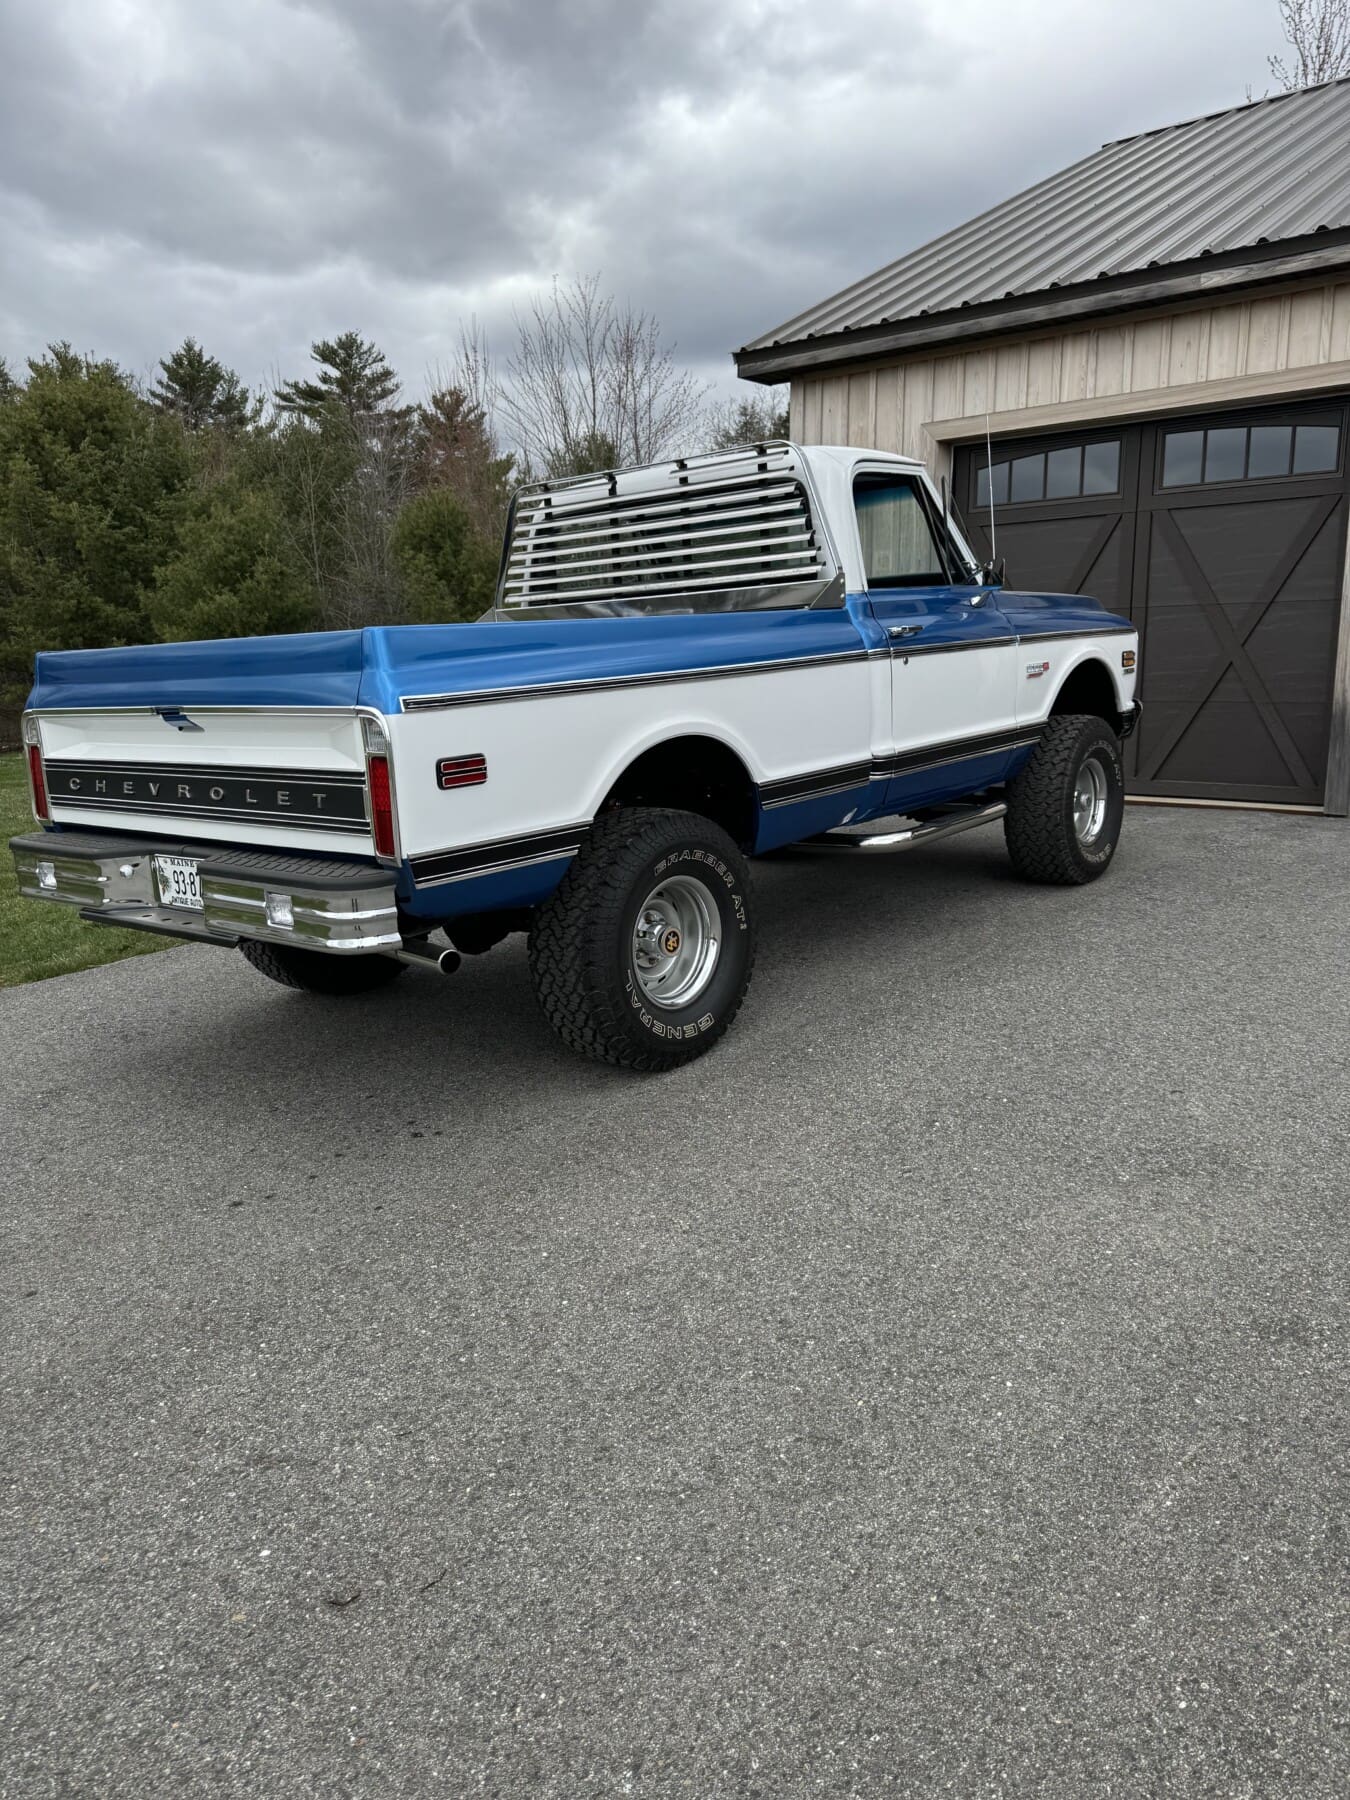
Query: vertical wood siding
point(890, 406)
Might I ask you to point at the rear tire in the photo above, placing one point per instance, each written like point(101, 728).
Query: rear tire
point(1066, 805)
point(315, 972)
point(643, 955)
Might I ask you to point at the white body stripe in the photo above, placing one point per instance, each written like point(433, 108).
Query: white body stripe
point(552, 760)
point(966, 693)
point(1036, 693)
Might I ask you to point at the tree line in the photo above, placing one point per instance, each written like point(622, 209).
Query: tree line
point(189, 507)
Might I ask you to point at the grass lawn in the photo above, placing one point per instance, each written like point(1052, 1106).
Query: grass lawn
point(38, 938)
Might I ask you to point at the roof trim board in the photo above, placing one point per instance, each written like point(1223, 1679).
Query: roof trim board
point(1201, 280)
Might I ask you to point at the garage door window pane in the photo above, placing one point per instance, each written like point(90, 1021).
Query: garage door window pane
point(1226, 454)
point(1269, 452)
point(1182, 458)
point(1028, 478)
point(1063, 474)
point(1101, 468)
point(999, 472)
point(1317, 449)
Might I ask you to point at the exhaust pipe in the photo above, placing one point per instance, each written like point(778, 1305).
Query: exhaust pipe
point(423, 955)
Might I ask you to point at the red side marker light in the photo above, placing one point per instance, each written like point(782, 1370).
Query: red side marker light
point(461, 771)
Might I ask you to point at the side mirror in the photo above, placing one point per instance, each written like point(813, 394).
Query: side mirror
point(995, 574)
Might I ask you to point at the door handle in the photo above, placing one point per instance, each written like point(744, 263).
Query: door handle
point(905, 631)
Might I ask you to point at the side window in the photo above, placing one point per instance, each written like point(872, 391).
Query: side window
point(898, 545)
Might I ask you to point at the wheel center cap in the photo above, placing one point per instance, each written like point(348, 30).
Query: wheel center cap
point(670, 943)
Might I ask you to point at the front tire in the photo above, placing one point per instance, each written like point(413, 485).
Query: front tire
point(315, 972)
point(1066, 805)
point(643, 955)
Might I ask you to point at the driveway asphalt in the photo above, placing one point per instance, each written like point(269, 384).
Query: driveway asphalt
point(939, 1389)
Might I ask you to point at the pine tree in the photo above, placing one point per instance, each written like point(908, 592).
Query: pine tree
point(9, 387)
point(94, 482)
point(198, 390)
point(354, 376)
point(448, 571)
point(233, 571)
point(454, 449)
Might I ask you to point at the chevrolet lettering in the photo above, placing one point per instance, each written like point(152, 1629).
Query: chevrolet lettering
point(686, 665)
point(328, 801)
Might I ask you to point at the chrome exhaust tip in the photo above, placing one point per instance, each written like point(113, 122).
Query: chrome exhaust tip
point(424, 955)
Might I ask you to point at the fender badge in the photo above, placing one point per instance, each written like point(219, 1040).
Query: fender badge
point(1034, 670)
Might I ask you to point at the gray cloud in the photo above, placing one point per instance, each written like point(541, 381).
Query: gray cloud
point(261, 172)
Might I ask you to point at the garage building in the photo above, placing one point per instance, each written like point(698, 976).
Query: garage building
point(1157, 341)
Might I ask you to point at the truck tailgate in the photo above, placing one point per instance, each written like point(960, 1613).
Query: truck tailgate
point(265, 777)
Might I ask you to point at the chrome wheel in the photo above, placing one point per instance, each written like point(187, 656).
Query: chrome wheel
point(1091, 795)
point(675, 941)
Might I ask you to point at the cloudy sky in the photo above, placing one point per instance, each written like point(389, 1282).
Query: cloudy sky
point(259, 173)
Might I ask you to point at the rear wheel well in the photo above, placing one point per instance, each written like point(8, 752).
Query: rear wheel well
point(1089, 689)
point(692, 774)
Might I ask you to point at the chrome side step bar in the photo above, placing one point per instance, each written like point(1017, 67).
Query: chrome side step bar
point(964, 818)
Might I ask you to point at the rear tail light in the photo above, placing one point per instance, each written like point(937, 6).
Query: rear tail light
point(381, 804)
point(37, 779)
point(380, 789)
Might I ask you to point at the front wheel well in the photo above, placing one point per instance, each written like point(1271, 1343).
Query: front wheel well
point(691, 774)
point(1089, 689)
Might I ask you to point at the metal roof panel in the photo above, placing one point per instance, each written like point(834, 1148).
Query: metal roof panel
point(1275, 170)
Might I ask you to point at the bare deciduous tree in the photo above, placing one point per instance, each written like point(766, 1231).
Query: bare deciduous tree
point(340, 484)
point(591, 384)
point(475, 374)
point(1318, 32)
point(367, 588)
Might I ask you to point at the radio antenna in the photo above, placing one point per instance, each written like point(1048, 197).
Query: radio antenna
point(989, 475)
point(946, 533)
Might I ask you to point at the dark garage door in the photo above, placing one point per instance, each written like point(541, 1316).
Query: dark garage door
point(1223, 538)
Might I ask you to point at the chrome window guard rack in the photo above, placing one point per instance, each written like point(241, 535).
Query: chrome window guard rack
point(725, 530)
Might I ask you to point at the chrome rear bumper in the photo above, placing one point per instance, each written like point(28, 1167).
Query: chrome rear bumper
point(314, 903)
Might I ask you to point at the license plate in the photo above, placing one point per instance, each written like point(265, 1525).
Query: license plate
point(179, 883)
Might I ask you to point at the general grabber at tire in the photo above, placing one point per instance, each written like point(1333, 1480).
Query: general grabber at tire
point(643, 955)
point(1065, 806)
point(316, 972)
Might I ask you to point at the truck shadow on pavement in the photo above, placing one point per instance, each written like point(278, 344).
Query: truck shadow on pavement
point(439, 1097)
point(474, 1038)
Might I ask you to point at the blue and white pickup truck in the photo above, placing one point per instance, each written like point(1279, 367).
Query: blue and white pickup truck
point(687, 665)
